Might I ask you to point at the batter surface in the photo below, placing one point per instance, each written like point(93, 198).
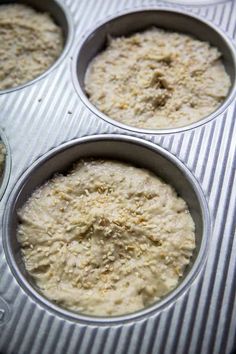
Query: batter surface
point(30, 43)
point(157, 79)
point(105, 239)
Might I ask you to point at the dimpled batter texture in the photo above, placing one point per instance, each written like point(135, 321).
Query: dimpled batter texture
point(157, 79)
point(106, 239)
point(30, 43)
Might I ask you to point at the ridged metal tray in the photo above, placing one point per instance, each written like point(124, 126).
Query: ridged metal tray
point(42, 115)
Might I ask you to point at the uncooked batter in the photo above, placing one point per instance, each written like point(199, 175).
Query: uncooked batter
point(157, 79)
point(106, 239)
point(30, 43)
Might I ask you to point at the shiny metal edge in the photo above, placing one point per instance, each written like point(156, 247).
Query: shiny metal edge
point(197, 2)
point(7, 164)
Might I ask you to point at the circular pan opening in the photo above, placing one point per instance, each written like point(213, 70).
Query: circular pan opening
point(129, 149)
point(4, 178)
point(61, 16)
point(130, 22)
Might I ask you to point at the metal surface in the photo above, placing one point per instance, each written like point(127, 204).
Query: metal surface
point(48, 112)
point(196, 2)
point(7, 164)
point(129, 22)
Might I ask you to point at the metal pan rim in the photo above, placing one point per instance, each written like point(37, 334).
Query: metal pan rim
point(7, 167)
point(93, 109)
point(196, 2)
point(141, 314)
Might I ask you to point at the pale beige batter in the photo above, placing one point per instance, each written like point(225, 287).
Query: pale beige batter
point(30, 43)
point(157, 79)
point(106, 239)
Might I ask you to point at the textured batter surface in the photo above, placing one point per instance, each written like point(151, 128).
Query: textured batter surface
point(30, 43)
point(106, 239)
point(157, 79)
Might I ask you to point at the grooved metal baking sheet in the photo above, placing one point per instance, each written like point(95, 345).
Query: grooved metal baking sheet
point(49, 112)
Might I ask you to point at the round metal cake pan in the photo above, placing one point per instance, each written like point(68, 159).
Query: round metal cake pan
point(135, 151)
point(7, 164)
point(62, 17)
point(130, 22)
